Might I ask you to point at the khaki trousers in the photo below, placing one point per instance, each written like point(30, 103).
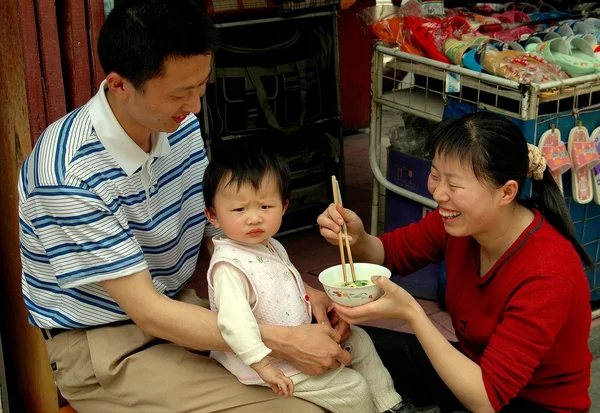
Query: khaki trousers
point(121, 369)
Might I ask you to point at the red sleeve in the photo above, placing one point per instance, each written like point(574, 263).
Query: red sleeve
point(410, 248)
point(533, 318)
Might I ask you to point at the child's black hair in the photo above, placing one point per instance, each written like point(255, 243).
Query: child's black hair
point(245, 165)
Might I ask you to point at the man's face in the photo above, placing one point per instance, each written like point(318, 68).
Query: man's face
point(164, 102)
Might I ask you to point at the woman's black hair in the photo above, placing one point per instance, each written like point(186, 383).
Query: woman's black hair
point(497, 151)
point(248, 164)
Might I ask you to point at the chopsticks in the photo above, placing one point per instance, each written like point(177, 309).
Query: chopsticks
point(337, 199)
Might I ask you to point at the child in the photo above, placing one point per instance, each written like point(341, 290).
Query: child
point(252, 281)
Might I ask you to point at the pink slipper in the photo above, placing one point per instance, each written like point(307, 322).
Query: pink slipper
point(555, 152)
point(584, 157)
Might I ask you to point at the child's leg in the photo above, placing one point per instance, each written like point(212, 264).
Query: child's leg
point(366, 361)
point(339, 391)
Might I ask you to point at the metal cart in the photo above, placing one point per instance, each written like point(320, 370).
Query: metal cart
point(417, 85)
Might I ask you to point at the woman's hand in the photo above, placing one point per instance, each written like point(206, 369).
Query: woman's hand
point(395, 303)
point(333, 217)
point(324, 313)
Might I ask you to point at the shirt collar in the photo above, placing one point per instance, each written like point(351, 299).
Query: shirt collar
point(119, 145)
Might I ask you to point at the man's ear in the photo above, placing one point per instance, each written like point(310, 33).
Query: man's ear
point(510, 190)
point(212, 217)
point(119, 86)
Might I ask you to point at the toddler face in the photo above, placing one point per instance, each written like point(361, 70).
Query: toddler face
point(248, 215)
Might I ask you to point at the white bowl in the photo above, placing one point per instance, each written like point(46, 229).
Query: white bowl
point(352, 296)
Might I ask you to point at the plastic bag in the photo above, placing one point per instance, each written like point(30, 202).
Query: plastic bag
point(431, 34)
point(524, 68)
point(386, 22)
point(411, 137)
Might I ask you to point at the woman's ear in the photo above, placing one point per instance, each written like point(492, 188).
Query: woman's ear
point(212, 217)
point(510, 190)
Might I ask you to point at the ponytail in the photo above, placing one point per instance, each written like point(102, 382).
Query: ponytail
point(548, 199)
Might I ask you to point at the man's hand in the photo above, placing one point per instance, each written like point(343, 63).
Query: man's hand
point(311, 348)
point(279, 382)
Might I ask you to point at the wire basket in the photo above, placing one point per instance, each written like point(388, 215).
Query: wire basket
point(286, 8)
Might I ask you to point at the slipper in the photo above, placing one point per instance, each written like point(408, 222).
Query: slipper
point(531, 43)
point(471, 60)
point(558, 51)
point(555, 152)
point(584, 51)
point(595, 136)
point(564, 30)
point(581, 27)
point(584, 157)
point(589, 38)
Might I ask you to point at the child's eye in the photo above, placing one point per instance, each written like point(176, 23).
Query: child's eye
point(266, 206)
point(239, 210)
point(433, 176)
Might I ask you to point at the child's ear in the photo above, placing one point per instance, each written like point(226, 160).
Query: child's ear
point(286, 204)
point(212, 217)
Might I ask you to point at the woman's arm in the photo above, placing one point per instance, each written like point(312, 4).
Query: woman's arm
point(462, 376)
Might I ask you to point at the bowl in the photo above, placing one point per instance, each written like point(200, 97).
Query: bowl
point(332, 277)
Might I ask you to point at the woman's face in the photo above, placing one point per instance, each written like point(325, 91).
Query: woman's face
point(468, 206)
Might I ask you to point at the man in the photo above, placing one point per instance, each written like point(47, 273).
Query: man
point(111, 212)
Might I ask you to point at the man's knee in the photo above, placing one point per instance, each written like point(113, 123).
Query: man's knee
point(302, 406)
point(277, 405)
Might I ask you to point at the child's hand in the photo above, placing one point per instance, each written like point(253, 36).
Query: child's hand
point(279, 382)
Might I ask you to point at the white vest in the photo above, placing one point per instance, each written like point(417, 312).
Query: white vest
point(280, 296)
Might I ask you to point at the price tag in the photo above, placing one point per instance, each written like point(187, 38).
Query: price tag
point(452, 82)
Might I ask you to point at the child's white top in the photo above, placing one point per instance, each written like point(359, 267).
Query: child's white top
point(251, 284)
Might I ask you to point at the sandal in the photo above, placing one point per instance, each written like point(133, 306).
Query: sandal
point(558, 51)
point(584, 157)
point(556, 155)
point(595, 136)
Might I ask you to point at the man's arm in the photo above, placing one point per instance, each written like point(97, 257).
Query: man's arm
point(311, 348)
point(186, 324)
point(208, 245)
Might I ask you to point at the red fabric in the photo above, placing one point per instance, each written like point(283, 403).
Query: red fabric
point(526, 323)
point(431, 34)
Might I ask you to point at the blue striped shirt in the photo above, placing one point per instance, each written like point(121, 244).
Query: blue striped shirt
point(94, 206)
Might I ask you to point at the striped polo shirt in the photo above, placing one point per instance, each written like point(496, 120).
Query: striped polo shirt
point(94, 206)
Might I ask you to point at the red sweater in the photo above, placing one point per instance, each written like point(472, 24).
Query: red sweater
point(526, 323)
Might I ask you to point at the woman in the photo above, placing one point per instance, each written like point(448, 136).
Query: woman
point(516, 290)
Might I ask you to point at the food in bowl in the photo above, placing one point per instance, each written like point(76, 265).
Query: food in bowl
point(354, 284)
point(332, 279)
